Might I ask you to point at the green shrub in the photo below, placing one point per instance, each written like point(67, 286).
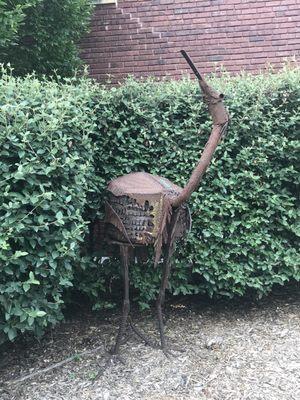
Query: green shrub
point(45, 167)
point(244, 234)
point(43, 35)
point(60, 143)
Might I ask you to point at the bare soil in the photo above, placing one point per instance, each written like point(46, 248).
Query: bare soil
point(232, 350)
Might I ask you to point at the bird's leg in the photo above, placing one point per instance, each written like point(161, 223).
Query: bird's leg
point(165, 277)
point(147, 340)
point(126, 303)
point(161, 296)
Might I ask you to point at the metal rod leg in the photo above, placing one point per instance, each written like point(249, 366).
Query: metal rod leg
point(161, 297)
point(126, 303)
point(165, 276)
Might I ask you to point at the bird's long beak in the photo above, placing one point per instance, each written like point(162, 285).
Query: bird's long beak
point(191, 64)
point(212, 97)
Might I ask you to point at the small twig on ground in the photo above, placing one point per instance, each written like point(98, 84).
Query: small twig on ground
point(53, 366)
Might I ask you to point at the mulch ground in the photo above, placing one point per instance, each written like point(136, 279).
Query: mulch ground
point(232, 350)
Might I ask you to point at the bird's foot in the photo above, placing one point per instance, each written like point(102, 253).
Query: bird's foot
point(125, 337)
point(114, 358)
point(171, 349)
point(111, 359)
point(148, 340)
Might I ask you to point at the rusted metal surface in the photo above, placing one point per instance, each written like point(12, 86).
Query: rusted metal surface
point(138, 210)
point(144, 209)
point(140, 185)
point(136, 207)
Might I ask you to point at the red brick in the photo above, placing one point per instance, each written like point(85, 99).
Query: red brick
point(144, 37)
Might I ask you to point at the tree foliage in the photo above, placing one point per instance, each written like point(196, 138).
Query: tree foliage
point(12, 15)
point(42, 35)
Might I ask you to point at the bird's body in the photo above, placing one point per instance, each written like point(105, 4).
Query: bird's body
point(138, 207)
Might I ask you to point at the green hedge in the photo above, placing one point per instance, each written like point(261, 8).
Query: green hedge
point(244, 234)
point(60, 143)
point(45, 163)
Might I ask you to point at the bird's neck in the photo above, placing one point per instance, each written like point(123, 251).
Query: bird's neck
point(220, 119)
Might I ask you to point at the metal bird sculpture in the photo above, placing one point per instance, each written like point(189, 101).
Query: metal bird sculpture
point(148, 210)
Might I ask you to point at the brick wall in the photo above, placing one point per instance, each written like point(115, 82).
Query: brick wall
point(143, 37)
